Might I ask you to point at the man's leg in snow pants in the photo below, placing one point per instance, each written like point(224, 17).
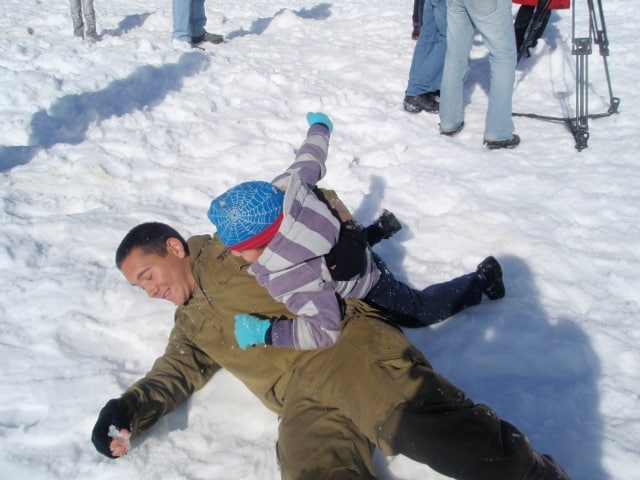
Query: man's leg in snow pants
point(373, 387)
point(316, 443)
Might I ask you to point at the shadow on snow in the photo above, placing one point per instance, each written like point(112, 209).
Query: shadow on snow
point(321, 11)
point(69, 118)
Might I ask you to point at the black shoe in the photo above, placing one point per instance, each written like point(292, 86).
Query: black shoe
point(385, 226)
point(513, 142)
point(427, 102)
point(455, 131)
point(388, 223)
point(207, 37)
point(491, 273)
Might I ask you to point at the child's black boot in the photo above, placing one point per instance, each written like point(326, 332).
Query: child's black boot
point(385, 226)
point(490, 273)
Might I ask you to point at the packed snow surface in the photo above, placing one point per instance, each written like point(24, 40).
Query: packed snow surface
point(97, 138)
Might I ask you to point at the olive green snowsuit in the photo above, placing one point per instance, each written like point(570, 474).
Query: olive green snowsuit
point(372, 388)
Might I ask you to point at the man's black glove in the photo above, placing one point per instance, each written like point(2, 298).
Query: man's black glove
point(113, 413)
point(348, 258)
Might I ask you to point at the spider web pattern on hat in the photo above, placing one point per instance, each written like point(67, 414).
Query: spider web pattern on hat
point(245, 210)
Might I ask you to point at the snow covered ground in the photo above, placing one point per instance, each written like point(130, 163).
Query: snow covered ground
point(97, 138)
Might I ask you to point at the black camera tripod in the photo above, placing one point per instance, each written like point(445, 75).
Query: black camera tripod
point(581, 48)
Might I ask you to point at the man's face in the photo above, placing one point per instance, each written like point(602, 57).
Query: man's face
point(167, 277)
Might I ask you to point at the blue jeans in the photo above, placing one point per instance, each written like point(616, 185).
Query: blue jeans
point(189, 19)
point(425, 74)
point(492, 18)
point(419, 308)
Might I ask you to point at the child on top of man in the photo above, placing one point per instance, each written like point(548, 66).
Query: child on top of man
point(287, 233)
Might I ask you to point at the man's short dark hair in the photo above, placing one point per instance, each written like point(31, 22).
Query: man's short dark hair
point(151, 237)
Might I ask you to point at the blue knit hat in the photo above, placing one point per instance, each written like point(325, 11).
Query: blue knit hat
point(247, 216)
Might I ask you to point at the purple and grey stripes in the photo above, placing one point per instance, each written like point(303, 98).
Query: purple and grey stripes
point(292, 267)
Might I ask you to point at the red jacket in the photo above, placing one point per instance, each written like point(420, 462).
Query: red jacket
point(553, 4)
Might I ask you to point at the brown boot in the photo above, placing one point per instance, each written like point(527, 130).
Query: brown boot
point(546, 468)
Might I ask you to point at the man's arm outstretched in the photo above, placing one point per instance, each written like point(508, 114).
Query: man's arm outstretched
point(178, 373)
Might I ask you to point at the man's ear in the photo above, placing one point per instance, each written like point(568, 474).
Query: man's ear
point(175, 247)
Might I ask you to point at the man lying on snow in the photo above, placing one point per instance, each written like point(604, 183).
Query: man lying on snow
point(371, 389)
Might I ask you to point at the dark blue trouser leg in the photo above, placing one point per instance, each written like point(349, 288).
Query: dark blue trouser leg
point(419, 308)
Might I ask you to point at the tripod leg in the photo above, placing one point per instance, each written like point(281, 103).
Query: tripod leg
point(599, 32)
point(582, 50)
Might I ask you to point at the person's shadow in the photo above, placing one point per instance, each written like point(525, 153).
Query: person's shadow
point(128, 23)
point(69, 118)
point(392, 252)
point(537, 371)
point(321, 11)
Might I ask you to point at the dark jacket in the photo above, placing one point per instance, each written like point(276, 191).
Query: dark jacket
point(202, 340)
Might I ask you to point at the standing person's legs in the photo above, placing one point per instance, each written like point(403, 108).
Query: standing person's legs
point(521, 23)
point(181, 12)
point(198, 18)
point(425, 74)
point(418, 6)
point(76, 18)
point(494, 21)
point(90, 19)
point(413, 308)
point(456, 66)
